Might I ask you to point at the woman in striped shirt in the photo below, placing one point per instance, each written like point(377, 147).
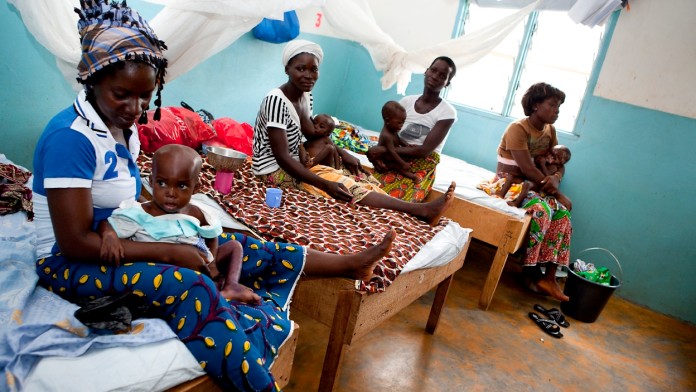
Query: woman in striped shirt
point(285, 112)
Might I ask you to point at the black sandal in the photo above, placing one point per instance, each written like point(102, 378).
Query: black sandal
point(548, 326)
point(554, 314)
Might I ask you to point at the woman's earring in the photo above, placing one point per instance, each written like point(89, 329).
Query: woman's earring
point(143, 117)
point(89, 92)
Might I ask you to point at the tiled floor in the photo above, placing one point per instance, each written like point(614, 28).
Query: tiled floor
point(629, 348)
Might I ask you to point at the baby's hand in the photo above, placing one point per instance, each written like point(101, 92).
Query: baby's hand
point(309, 162)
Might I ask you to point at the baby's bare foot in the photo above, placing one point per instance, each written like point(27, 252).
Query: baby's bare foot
point(412, 176)
point(240, 293)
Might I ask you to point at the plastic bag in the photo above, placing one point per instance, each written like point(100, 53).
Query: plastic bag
point(600, 275)
point(113, 313)
point(205, 115)
point(278, 31)
point(177, 126)
point(233, 134)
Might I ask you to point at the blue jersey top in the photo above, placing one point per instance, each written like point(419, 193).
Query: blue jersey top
point(77, 150)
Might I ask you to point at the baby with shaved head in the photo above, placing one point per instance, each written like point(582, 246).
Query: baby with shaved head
point(171, 216)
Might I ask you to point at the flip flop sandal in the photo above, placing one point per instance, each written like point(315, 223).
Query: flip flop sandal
point(548, 326)
point(554, 314)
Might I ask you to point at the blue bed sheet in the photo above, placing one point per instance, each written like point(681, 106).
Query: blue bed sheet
point(36, 323)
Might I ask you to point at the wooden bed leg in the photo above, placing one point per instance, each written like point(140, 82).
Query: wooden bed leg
point(493, 277)
point(342, 326)
point(438, 304)
point(505, 245)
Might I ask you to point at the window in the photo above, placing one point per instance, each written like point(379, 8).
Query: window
point(549, 47)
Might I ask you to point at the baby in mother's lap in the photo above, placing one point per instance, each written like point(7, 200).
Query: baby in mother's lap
point(319, 149)
point(394, 116)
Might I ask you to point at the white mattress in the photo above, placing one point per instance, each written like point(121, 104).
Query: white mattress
point(465, 175)
point(151, 367)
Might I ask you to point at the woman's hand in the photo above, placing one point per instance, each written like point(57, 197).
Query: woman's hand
point(111, 250)
point(338, 191)
point(187, 256)
point(550, 184)
point(350, 162)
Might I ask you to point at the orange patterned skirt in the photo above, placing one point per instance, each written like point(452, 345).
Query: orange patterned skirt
point(406, 189)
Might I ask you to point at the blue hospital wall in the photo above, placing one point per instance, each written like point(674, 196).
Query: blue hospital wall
point(630, 177)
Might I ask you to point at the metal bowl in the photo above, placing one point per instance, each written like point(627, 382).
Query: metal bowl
point(225, 159)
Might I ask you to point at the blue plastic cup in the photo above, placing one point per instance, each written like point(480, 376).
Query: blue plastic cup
point(273, 197)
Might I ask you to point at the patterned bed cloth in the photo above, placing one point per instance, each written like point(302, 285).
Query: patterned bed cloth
point(14, 195)
point(322, 224)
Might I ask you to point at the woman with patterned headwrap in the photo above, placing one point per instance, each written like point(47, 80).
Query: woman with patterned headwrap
point(285, 113)
point(84, 166)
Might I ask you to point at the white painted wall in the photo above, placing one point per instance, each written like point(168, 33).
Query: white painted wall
point(412, 24)
point(651, 57)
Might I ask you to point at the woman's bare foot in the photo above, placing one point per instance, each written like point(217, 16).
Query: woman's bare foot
point(432, 211)
point(240, 293)
point(360, 265)
point(551, 287)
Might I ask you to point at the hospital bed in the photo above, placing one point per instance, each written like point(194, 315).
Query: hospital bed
point(348, 307)
point(44, 347)
point(492, 220)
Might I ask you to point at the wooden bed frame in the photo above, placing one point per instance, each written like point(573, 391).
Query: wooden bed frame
point(280, 369)
point(493, 227)
point(351, 313)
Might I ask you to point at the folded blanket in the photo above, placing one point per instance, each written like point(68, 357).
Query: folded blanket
point(14, 195)
point(322, 224)
point(495, 184)
point(350, 137)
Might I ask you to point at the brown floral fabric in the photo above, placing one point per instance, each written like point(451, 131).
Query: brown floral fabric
point(323, 224)
point(14, 195)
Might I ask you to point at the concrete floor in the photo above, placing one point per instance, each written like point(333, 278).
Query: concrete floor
point(628, 348)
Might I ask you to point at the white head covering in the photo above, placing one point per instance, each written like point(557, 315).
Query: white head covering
point(297, 46)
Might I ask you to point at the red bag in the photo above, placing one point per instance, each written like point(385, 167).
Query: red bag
point(176, 126)
point(234, 135)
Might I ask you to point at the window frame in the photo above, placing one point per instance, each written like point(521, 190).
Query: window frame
point(513, 85)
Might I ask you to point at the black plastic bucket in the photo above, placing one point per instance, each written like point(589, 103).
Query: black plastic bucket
point(587, 298)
